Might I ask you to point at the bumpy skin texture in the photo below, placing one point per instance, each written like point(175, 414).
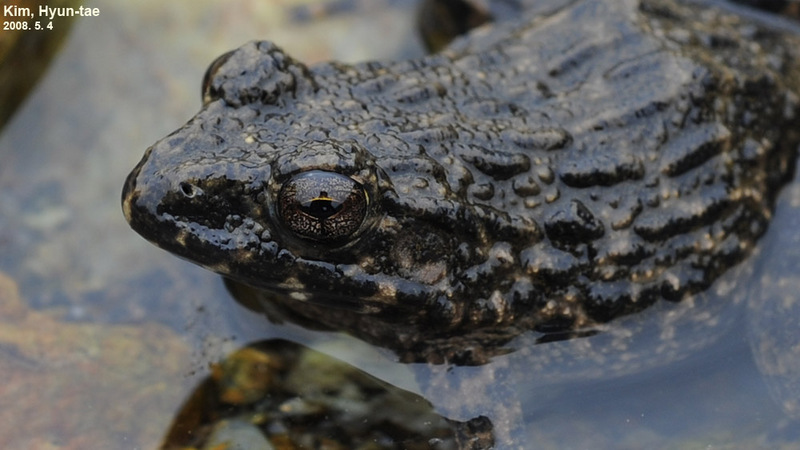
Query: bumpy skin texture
point(546, 174)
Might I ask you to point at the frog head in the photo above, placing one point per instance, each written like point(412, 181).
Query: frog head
point(275, 184)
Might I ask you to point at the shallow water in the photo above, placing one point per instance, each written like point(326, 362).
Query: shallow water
point(98, 322)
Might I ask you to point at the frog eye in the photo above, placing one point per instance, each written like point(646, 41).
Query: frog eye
point(209, 92)
point(322, 206)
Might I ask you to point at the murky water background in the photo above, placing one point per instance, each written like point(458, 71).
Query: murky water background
point(103, 336)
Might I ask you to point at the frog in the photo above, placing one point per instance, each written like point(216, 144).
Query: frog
point(534, 184)
point(476, 189)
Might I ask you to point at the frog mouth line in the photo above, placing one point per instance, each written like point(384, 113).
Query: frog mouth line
point(298, 280)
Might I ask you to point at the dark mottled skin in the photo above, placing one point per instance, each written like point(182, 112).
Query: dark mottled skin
point(548, 173)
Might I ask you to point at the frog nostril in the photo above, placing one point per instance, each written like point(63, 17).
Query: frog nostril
point(189, 190)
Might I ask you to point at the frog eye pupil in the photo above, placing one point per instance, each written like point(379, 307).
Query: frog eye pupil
point(322, 206)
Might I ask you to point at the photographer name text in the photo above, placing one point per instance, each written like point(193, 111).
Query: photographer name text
point(27, 17)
